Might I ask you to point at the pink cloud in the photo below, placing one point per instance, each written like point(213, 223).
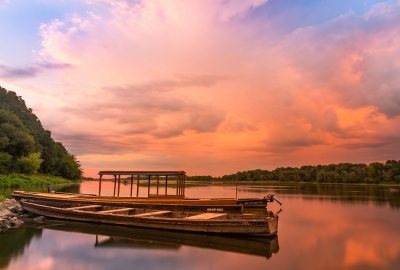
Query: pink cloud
point(187, 80)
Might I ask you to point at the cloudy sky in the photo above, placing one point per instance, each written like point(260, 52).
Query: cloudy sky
point(211, 87)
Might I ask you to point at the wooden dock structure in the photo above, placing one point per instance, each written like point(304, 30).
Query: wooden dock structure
point(178, 177)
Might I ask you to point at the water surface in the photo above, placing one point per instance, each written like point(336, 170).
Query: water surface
point(320, 227)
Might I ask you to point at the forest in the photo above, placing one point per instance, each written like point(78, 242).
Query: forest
point(373, 173)
point(26, 147)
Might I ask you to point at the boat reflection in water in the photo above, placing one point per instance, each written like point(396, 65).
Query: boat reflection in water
point(107, 236)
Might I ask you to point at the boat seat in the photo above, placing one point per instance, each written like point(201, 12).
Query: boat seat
point(206, 216)
point(115, 210)
point(152, 214)
point(84, 207)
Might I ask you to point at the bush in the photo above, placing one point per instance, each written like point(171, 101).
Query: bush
point(370, 180)
point(29, 164)
point(396, 178)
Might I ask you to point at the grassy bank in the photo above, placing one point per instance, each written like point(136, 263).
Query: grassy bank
point(22, 180)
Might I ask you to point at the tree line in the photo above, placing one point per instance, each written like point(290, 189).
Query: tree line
point(373, 173)
point(26, 147)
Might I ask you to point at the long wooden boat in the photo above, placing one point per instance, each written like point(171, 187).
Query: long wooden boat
point(158, 179)
point(114, 236)
point(68, 200)
point(218, 223)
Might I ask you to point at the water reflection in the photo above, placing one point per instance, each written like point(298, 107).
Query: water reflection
point(142, 238)
point(320, 227)
point(74, 245)
point(122, 242)
point(14, 242)
point(379, 195)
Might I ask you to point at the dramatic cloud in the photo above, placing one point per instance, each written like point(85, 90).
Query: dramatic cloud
point(354, 57)
point(214, 87)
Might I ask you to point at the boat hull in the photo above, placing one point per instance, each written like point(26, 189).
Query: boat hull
point(243, 225)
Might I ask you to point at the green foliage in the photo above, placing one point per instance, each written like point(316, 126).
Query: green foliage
point(16, 141)
point(29, 164)
point(333, 173)
point(22, 134)
point(70, 167)
point(200, 178)
point(396, 178)
point(14, 180)
point(5, 162)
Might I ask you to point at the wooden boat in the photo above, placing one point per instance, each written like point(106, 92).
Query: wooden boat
point(219, 223)
point(156, 178)
point(114, 236)
point(68, 200)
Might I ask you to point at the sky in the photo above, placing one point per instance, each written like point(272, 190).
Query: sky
point(210, 87)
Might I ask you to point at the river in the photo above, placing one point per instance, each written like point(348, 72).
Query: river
point(325, 226)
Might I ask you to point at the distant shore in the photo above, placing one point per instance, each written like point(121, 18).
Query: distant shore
point(189, 183)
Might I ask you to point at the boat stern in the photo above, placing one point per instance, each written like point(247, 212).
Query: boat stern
point(273, 224)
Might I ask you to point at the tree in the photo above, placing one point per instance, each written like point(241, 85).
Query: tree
point(22, 134)
point(70, 167)
point(5, 162)
point(29, 164)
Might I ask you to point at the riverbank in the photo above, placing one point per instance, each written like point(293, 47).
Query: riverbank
point(10, 211)
point(22, 180)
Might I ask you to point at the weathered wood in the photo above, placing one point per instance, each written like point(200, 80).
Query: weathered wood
point(206, 216)
point(115, 184)
point(99, 186)
point(116, 210)
point(137, 187)
point(131, 186)
point(157, 213)
point(225, 205)
point(144, 173)
point(231, 224)
point(86, 207)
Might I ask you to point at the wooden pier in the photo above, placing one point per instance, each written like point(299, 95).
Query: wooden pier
point(178, 177)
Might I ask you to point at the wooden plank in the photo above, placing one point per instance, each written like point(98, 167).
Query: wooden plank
point(206, 216)
point(115, 210)
point(152, 214)
point(84, 207)
point(56, 195)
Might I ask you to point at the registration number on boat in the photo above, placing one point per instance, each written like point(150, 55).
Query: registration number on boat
point(215, 209)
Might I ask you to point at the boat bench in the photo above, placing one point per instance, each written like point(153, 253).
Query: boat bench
point(152, 214)
point(115, 210)
point(84, 207)
point(206, 216)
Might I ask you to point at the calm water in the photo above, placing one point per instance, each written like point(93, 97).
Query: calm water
point(320, 227)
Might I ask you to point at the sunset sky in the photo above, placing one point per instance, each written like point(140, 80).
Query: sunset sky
point(210, 87)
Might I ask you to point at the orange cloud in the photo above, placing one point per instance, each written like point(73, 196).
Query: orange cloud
point(199, 81)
